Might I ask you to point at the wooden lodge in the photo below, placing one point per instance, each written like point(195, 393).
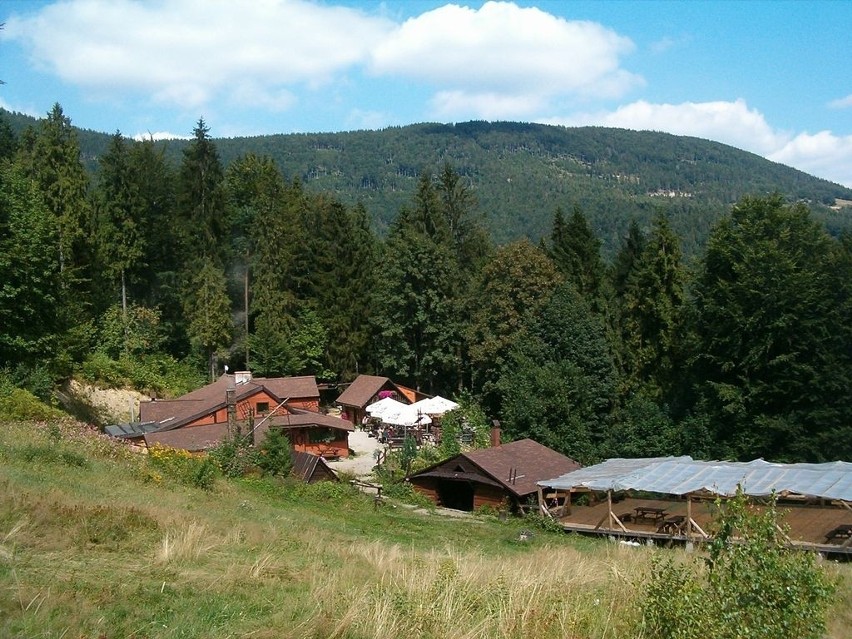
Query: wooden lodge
point(504, 475)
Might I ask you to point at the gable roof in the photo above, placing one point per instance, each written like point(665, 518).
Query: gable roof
point(174, 413)
point(515, 466)
point(363, 389)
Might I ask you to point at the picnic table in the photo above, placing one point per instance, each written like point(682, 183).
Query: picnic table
point(672, 525)
point(649, 513)
point(843, 531)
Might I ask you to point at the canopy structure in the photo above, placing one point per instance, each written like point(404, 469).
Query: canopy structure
point(435, 406)
point(390, 411)
point(684, 476)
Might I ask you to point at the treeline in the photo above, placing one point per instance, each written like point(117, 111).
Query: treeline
point(746, 352)
point(521, 172)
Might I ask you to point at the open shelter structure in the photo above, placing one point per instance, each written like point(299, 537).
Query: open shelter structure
point(816, 498)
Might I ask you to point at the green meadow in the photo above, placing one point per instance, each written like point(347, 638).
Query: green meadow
point(96, 541)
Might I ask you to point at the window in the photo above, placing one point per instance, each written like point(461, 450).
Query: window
point(262, 408)
point(321, 435)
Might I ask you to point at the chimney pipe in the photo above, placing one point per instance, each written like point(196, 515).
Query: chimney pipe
point(495, 433)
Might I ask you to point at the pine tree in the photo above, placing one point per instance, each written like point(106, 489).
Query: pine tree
point(652, 312)
point(576, 253)
point(120, 231)
point(771, 353)
point(201, 200)
point(510, 290)
point(30, 281)
point(208, 312)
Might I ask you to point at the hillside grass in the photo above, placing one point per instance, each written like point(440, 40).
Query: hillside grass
point(94, 542)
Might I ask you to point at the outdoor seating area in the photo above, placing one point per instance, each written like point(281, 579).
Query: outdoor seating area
point(841, 532)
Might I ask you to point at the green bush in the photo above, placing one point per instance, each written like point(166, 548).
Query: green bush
point(184, 467)
point(753, 586)
point(274, 456)
point(20, 404)
point(157, 373)
point(235, 456)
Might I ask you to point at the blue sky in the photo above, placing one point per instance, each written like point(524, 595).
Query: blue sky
point(773, 78)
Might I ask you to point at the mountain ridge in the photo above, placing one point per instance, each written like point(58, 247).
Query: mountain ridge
point(521, 172)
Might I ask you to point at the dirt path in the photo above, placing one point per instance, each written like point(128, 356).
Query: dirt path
point(362, 461)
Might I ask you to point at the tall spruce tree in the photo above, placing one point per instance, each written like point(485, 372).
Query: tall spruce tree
point(652, 313)
point(30, 280)
point(204, 222)
point(208, 312)
point(511, 289)
point(561, 386)
point(120, 217)
point(772, 351)
point(576, 253)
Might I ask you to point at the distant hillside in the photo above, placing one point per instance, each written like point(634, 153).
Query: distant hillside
point(522, 172)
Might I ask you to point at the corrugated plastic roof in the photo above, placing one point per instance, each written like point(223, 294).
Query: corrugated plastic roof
point(684, 475)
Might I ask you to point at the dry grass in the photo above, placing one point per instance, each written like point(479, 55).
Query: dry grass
point(99, 551)
point(548, 592)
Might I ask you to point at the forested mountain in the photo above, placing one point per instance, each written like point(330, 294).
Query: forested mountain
point(610, 319)
point(520, 173)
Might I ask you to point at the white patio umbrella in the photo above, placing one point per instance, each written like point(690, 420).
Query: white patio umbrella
point(435, 405)
point(379, 408)
point(406, 415)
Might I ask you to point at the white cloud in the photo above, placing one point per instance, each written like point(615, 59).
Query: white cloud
point(841, 103)
point(505, 59)
point(824, 154)
point(160, 135)
point(190, 52)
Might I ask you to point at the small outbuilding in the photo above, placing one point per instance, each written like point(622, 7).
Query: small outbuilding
point(498, 476)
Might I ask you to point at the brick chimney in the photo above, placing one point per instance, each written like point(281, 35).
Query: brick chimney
point(495, 433)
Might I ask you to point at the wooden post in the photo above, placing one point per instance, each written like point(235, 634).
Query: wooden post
point(689, 516)
point(609, 506)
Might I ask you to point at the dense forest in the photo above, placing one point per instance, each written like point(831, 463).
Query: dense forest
point(520, 173)
point(132, 263)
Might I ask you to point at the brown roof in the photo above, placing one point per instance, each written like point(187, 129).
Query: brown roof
point(174, 413)
point(515, 466)
point(299, 418)
point(525, 460)
point(193, 439)
point(309, 467)
point(362, 390)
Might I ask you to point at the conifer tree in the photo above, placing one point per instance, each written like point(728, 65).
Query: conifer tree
point(120, 219)
point(653, 311)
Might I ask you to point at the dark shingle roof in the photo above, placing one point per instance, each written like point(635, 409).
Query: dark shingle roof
point(307, 467)
point(136, 429)
point(300, 418)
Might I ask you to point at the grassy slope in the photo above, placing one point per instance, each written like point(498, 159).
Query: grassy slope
point(93, 543)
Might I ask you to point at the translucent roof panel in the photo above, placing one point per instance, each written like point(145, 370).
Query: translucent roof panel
point(684, 475)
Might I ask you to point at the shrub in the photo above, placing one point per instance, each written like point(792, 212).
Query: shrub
point(754, 585)
point(183, 466)
point(274, 457)
point(20, 404)
point(235, 456)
